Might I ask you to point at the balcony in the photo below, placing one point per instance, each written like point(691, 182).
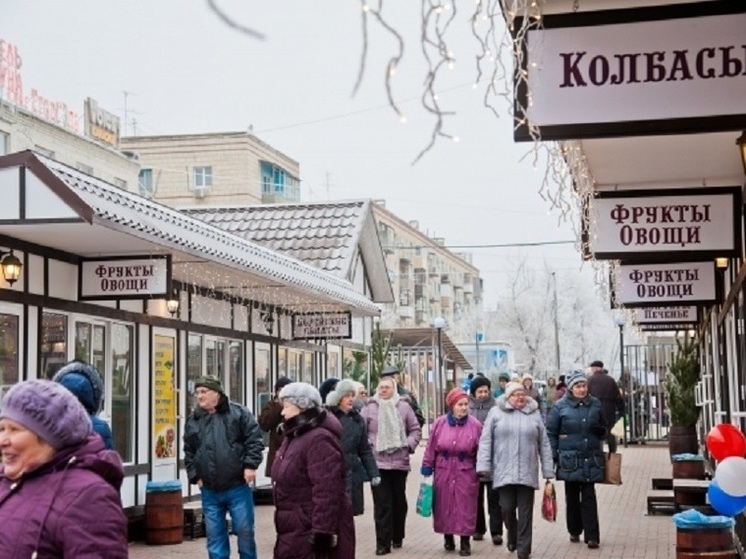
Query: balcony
point(406, 312)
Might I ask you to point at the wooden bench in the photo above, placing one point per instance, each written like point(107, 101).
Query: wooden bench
point(661, 502)
point(690, 493)
point(659, 483)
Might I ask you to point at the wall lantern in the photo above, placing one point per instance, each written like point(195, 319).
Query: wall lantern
point(172, 304)
point(269, 321)
point(722, 263)
point(741, 143)
point(11, 265)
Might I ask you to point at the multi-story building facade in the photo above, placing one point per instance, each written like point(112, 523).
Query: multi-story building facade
point(428, 280)
point(225, 168)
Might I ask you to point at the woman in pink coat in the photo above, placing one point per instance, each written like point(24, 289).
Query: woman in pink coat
point(451, 456)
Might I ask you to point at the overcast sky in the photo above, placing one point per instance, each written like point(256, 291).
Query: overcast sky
point(185, 71)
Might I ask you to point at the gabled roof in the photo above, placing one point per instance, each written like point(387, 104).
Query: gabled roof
point(328, 235)
point(57, 205)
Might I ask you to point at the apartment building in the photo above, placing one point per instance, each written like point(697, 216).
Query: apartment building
point(224, 168)
point(428, 279)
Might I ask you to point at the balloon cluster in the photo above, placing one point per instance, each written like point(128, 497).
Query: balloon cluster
point(727, 491)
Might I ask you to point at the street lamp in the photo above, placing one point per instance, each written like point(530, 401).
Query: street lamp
point(620, 321)
point(440, 323)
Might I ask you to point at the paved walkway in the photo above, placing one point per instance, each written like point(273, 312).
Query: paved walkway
point(626, 531)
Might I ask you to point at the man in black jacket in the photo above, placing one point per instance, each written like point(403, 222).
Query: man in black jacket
point(222, 450)
point(603, 386)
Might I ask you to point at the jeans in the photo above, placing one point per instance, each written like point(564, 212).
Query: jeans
point(239, 501)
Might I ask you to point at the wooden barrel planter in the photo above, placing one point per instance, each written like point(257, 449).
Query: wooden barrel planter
point(688, 469)
point(710, 543)
point(164, 513)
point(683, 440)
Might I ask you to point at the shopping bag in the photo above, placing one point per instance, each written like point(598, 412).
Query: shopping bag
point(618, 429)
point(549, 502)
point(613, 469)
point(425, 498)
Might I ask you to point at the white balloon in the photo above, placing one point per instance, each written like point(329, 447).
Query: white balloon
point(730, 475)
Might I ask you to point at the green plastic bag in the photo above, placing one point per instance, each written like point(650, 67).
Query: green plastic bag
point(425, 498)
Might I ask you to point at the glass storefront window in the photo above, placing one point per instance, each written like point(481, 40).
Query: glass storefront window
point(261, 375)
point(8, 352)
point(122, 390)
point(53, 348)
point(236, 374)
point(193, 367)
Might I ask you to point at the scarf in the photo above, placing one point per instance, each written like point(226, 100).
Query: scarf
point(391, 436)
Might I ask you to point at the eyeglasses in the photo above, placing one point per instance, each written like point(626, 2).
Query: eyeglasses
point(518, 394)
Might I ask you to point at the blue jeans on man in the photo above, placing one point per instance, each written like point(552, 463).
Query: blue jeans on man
point(239, 501)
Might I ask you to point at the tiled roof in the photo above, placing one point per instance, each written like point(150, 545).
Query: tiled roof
point(322, 234)
point(119, 209)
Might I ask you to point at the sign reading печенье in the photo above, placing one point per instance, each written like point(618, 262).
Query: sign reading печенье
point(322, 325)
point(667, 315)
point(657, 225)
point(682, 283)
point(142, 277)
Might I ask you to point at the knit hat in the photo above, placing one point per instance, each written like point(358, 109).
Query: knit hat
point(478, 381)
point(576, 377)
point(301, 394)
point(390, 370)
point(454, 396)
point(512, 387)
point(83, 380)
point(211, 382)
point(597, 363)
point(503, 376)
point(344, 387)
point(282, 382)
point(49, 410)
point(526, 377)
point(326, 387)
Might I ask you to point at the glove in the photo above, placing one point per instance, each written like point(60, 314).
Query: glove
point(376, 481)
point(323, 542)
point(426, 471)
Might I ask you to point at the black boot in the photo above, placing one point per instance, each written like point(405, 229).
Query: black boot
point(448, 542)
point(465, 548)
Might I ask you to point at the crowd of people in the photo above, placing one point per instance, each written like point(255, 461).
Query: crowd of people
point(490, 447)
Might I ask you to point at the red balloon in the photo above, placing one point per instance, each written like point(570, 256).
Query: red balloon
point(726, 440)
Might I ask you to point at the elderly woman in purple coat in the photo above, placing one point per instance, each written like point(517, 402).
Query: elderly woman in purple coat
point(451, 456)
point(313, 513)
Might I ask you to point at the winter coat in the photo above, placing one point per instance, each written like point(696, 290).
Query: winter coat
point(68, 507)
point(480, 408)
point(514, 445)
point(219, 446)
point(308, 480)
point(576, 429)
point(399, 459)
point(602, 385)
point(358, 456)
point(450, 456)
point(269, 420)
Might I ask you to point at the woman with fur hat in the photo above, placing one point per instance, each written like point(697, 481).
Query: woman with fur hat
point(313, 514)
point(394, 433)
point(481, 402)
point(513, 447)
point(450, 456)
point(88, 387)
point(59, 486)
point(576, 430)
point(358, 454)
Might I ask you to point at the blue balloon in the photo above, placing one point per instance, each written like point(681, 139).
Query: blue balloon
point(723, 503)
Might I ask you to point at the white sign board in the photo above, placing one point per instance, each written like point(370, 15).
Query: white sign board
point(658, 284)
point(666, 315)
point(591, 75)
point(322, 325)
point(125, 278)
point(624, 225)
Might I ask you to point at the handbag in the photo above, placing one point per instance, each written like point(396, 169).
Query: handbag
point(613, 468)
point(549, 502)
point(618, 429)
point(425, 498)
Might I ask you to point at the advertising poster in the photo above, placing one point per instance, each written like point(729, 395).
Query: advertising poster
point(164, 404)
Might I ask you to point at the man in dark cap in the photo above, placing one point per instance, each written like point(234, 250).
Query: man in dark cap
point(270, 419)
point(393, 372)
point(222, 450)
point(602, 385)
